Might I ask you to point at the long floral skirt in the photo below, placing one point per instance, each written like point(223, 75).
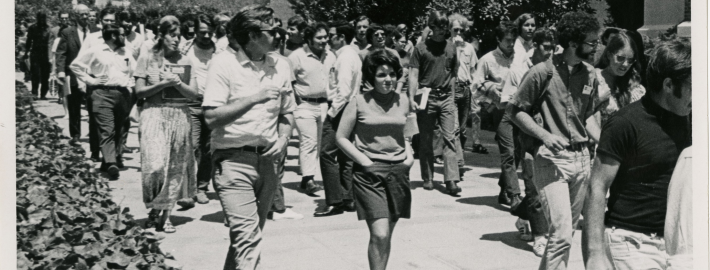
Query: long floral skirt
point(168, 164)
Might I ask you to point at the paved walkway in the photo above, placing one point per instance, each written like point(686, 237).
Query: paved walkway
point(467, 232)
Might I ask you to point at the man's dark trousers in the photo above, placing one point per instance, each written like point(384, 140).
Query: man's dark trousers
point(110, 107)
point(440, 106)
point(201, 144)
point(462, 98)
point(74, 101)
point(94, 139)
point(40, 66)
point(508, 180)
point(336, 166)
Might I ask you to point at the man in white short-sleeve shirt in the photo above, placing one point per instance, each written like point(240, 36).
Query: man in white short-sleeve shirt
point(248, 104)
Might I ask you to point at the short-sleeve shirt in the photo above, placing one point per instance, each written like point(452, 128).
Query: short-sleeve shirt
point(566, 103)
point(467, 60)
point(437, 63)
point(232, 76)
point(646, 140)
point(492, 69)
point(312, 72)
point(379, 130)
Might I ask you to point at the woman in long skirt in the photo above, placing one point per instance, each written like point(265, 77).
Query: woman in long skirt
point(167, 155)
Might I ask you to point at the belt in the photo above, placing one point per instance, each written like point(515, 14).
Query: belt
point(388, 162)
point(316, 100)
point(576, 146)
point(107, 87)
point(439, 91)
point(466, 83)
point(251, 149)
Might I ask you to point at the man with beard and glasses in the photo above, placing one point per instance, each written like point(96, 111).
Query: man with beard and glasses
point(362, 23)
point(106, 69)
point(336, 167)
point(376, 37)
point(434, 65)
point(248, 103)
point(312, 67)
point(294, 29)
point(488, 82)
point(220, 39)
point(529, 208)
point(562, 91)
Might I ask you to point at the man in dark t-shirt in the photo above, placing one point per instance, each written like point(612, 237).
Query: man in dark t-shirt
point(433, 65)
point(638, 150)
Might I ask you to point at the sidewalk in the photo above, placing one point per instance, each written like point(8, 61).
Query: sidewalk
point(468, 232)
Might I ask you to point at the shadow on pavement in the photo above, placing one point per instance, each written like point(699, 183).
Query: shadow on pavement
point(320, 205)
point(179, 220)
point(509, 238)
point(217, 217)
point(212, 196)
point(495, 175)
point(491, 201)
point(296, 186)
point(291, 168)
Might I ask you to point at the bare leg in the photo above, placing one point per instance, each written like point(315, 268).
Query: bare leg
point(378, 250)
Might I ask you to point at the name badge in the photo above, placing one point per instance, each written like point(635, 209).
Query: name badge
point(587, 90)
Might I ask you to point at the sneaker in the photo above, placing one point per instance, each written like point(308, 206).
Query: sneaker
point(523, 227)
point(288, 214)
point(540, 245)
point(201, 198)
point(439, 160)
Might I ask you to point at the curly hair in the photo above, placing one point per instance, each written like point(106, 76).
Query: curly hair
point(574, 27)
point(377, 58)
point(632, 77)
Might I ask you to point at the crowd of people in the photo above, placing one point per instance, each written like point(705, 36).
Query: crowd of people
point(596, 126)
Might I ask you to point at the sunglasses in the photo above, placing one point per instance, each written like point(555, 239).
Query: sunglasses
point(593, 43)
point(623, 59)
point(379, 34)
point(548, 47)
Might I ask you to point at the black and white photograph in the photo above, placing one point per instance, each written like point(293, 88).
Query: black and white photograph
point(299, 134)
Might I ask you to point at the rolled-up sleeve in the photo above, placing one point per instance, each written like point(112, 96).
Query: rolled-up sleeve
point(217, 85)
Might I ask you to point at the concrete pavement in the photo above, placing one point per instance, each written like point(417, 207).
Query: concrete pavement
point(467, 232)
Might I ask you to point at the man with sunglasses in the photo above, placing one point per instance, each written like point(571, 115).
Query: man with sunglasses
point(248, 103)
point(562, 91)
point(434, 65)
point(312, 66)
point(529, 208)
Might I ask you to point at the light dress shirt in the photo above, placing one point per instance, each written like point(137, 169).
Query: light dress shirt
point(102, 60)
point(348, 76)
point(231, 76)
point(312, 72)
point(492, 69)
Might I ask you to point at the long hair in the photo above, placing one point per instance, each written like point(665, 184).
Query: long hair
point(632, 78)
point(164, 28)
point(522, 19)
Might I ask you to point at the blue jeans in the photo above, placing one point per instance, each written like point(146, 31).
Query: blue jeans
point(561, 180)
point(245, 183)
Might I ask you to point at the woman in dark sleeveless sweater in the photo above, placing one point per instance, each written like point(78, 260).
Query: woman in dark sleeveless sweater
point(375, 121)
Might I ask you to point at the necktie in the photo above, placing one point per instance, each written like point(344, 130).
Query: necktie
point(84, 38)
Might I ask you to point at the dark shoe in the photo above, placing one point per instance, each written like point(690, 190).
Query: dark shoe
point(119, 163)
point(60, 101)
point(153, 219)
point(74, 141)
point(439, 160)
point(186, 203)
point(43, 98)
point(332, 211)
point(95, 157)
point(349, 206)
point(477, 148)
point(310, 187)
point(452, 188)
point(113, 173)
point(428, 185)
point(515, 201)
point(503, 198)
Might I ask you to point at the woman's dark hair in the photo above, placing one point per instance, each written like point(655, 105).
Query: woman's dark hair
point(641, 49)
point(574, 27)
point(247, 21)
point(187, 25)
point(522, 19)
point(632, 78)
point(392, 38)
point(670, 59)
point(310, 31)
point(377, 58)
point(506, 28)
point(608, 32)
point(165, 28)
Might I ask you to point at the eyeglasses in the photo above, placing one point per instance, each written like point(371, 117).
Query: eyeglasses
point(593, 43)
point(379, 34)
point(548, 47)
point(623, 59)
point(457, 30)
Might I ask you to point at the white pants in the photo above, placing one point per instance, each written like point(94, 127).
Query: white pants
point(309, 118)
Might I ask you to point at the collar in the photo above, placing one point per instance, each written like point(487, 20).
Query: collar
point(559, 61)
point(343, 49)
point(526, 44)
point(502, 55)
point(244, 60)
point(654, 109)
point(308, 51)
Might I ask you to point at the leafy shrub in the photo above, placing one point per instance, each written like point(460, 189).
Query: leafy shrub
point(65, 216)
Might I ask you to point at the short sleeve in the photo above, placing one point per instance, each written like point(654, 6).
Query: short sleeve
point(530, 88)
point(294, 65)
point(288, 99)
point(216, 85)
point(617, 138)
point(141, 70)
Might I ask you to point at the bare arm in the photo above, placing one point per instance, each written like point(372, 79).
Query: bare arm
point(413, 85)
point(144, 91)
point(347, 123)
point(285, 124)
point(603, 174)
point(223, 115)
